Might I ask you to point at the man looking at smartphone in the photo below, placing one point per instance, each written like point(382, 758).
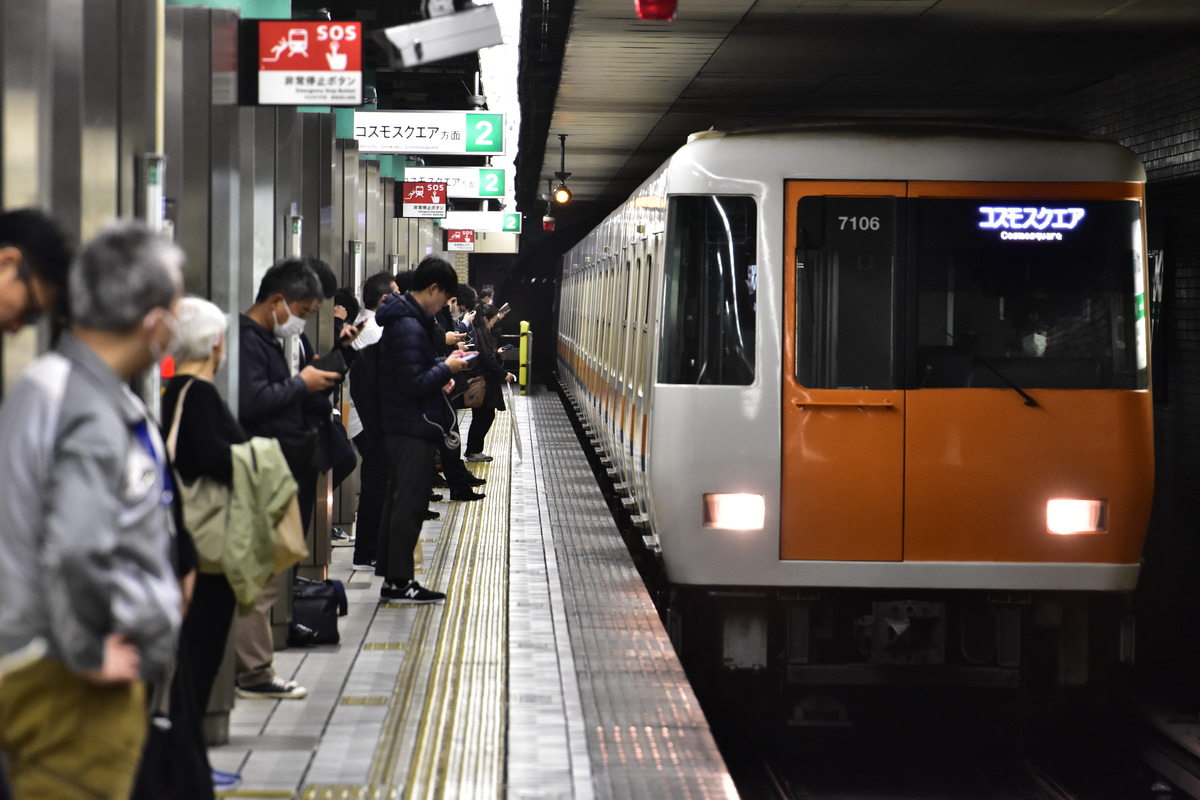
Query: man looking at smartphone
point(416, 415)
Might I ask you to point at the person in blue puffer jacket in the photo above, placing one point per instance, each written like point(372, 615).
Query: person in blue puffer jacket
point(416, 415)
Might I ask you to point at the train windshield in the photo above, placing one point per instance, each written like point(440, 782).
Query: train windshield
point(1042, 294)
point(710, 286)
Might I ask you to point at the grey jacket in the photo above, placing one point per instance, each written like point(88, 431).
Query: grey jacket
point(85, 523)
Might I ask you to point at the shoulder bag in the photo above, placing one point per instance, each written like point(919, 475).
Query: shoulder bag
point(205, 502)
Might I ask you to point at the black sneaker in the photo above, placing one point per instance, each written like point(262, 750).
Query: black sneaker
point(300, 635)
point(435, 498)
point(275, 689)
point(413, 592)
point(466, 494)
point(432, 515)
point(473, 481)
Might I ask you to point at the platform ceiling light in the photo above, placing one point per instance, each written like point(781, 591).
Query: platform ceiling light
point(735, 512)
point(655, 9)
point(1065, 516)
point(562, 195)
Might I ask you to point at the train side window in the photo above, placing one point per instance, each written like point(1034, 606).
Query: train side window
point(845, 292)
point(710, 283)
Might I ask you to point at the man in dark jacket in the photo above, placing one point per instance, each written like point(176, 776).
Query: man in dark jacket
point(416, 415)
point(271, 402)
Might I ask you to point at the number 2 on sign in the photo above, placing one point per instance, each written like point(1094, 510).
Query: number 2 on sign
point(483, 137)
point(859, 223)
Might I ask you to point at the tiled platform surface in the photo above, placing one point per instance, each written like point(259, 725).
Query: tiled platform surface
point(545, 675)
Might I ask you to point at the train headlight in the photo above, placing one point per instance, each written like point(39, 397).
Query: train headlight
point(734, 512)
point(1065, 516)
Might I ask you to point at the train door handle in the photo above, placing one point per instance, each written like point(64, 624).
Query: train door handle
point(859, 404)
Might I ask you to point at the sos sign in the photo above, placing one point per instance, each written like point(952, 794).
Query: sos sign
point(308, 63)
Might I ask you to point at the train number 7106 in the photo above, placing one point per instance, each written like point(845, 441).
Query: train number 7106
point(859, 223)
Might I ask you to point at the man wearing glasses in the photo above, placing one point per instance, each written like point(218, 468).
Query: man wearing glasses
point(34, 257)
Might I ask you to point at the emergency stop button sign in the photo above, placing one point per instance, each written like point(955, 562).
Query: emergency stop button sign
point(309, 63)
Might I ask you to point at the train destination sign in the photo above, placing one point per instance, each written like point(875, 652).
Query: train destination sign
point(309, 63)
point(466, 182)
point(484, 221)
point(1017, 223)
point(423, 200)
point(460, 240)
point(441, 132)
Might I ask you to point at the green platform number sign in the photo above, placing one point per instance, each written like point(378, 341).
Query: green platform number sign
point(491, 183)
point(485, 133)
point(512, 223)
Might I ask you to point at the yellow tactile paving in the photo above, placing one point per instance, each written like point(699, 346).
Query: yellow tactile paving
point(459, 751)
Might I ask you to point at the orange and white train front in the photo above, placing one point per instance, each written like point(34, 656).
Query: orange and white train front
point(900, 414)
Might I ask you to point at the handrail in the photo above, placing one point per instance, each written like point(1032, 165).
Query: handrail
point(884, 404)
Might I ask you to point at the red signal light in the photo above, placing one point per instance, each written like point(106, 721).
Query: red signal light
point(655, 9)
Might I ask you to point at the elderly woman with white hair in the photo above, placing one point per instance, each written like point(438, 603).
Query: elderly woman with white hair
point(206, 430)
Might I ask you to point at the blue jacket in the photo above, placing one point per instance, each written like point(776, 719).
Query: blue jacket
point(411, 376)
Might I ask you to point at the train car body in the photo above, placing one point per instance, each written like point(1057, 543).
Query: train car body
point(879, 394)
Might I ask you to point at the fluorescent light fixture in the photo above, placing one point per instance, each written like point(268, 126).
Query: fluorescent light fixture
point(734, 512)
point(1065, 516)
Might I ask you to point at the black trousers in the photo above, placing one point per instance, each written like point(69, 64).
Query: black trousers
point(404, 512)
point(306, 496)
point(481, 423)
point(373, 488)
point(206, 631)
point(455, 470)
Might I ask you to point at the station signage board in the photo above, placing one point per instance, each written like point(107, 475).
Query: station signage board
point(423, 200)
point(483, 221)
point(309, 63)
point(461, 241)
point(438, 132)
point(462, 182)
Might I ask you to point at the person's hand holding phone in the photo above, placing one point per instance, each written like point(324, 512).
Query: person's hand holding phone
point(457, 360)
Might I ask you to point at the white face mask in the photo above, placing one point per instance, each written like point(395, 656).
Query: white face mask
point(293, 327)
point(1034, 345)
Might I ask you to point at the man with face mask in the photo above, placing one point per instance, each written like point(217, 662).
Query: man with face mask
point(271, 403)
point(86, 530)
point(1033, 344)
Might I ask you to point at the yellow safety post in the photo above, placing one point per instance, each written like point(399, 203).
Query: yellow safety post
point(523, 373)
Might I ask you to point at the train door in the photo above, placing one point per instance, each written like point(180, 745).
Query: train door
point(843, 398)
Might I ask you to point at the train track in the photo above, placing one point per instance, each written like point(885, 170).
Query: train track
point(1084, 758)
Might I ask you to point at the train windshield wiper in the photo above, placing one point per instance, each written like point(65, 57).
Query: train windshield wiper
point(1029, 401)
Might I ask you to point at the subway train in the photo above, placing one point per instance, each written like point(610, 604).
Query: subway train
point(877, 395)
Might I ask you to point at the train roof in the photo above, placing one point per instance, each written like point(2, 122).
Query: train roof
point(1012, 130)
point(956, 150)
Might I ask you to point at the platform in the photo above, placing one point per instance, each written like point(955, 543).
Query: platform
point(546, 673)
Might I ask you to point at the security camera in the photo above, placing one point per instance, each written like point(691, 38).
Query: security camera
point(441, 37)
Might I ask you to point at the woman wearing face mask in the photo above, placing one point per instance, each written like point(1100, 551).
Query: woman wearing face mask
point(204, 432)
